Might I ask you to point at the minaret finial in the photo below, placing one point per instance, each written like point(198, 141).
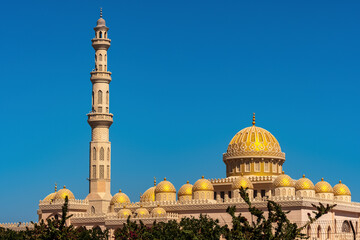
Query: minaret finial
point(55, 187)
point(100, 12)
point(154, 181)
point(253, 119)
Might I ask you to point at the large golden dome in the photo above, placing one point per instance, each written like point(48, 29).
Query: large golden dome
point(185, 189)
point(203, 185)
point(323, 187)
point(242, 182)
point(119, 197)
point(149, 195)
point(165, 187)
point(49, 197)
point(283, 181)
point(304, 184)
point(62, 193)
point(341, 189)
point(254, 141)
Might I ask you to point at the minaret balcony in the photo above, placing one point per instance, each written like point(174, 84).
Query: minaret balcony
point(100, 76)
point(97, 119)
point(100, 43)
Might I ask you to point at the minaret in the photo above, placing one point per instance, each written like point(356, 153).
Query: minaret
point(100, 121)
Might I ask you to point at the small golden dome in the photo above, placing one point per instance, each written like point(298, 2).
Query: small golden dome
point(165, 187)
point(304, 184)
point(203, 185)
point(148, 195)
point(185, 189)
point(242, 182)
point(323, 187)
point(62, 193)
point(119, 197)
point(49, 197)
point(254, 141)
point(142, 212)
point(124, 213)
point(158, 211)
point(341, 189)
point(283, 181)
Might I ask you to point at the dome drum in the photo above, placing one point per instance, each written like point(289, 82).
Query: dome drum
point(253, 166)
point(185, 192)
point(203, 189)
point(165, 191)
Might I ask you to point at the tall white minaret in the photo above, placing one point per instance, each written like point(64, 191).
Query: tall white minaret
point(100, 121)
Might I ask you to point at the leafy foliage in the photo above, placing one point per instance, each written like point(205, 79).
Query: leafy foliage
point(274, 226)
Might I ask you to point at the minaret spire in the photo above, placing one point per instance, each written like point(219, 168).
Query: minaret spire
point(253, 122)
point(100, 120)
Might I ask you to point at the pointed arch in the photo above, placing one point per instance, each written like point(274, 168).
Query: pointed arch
point(328, 232)
point(94, 153)
point(108, 154)
point(105, 34)
point(102, 153)
point(100, 57)
point(318, 232)
point(107, 97)
point(308, 231)
point(345, 227)
point(100, 96)
point(100, 34)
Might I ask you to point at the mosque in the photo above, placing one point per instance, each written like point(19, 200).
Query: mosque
point(253, 160)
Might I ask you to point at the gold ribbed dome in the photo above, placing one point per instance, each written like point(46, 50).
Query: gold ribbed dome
point(158, 211)
point(165, 187)
point(62, 193)
point(304, 184)
point(185, 189)
point(142, 212)
point(149, 195)
point(341, 189)
point(323, 187)
point(49, 197)
point(119, 197)
point(242, 182)
point(254, 141)
point(124, 213)
point(203, 185)
point(283, 181)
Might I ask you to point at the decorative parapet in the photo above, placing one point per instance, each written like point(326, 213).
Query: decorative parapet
point(58, 203)
point(17, 226)
point(253, 179)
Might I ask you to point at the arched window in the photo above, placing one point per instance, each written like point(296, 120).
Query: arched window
point(308, 231)
point(108, 154)
point(104, 34)
point(100, 97)
point(95, 58)
point(100, 68)
point(100, 57)
point(100, 34)
point(102, 153)
point(345, 227)
point(329, 232)
point(92, 210)
point(94, 153)
point(105, 68)
point(318, 232)
point(101, 171)
point(107, 171)
point(94, 171)
point(247, 167)
point(93, 98)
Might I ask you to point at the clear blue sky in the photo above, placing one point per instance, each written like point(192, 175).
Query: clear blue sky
point(187, 76)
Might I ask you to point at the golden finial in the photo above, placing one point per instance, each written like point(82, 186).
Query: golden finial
point(55, 187)
point(100, 12)
point(187, 182)
point(64, 187)
point(158, 205)
point(202, 177)
point(282, 172)
point(253, 119)
point(119, 190)
point(303, 175)
point(154, 181)
point(322, 179)
point(164, 178)
point(242, 174)
point(340, 181)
